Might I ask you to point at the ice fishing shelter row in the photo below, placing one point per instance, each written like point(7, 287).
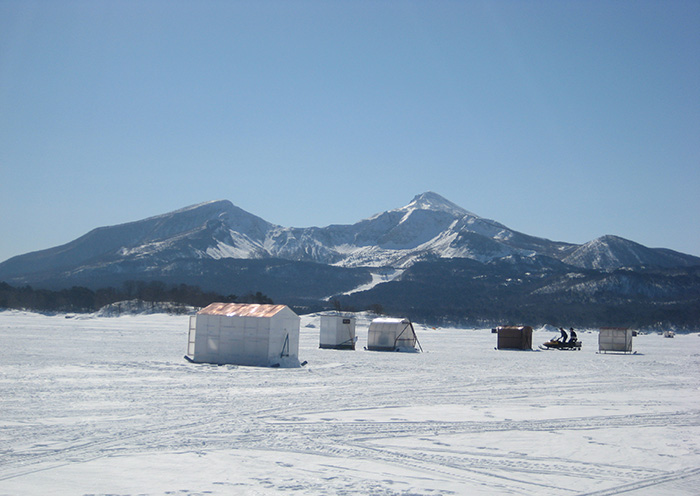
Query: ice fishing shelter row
point(384, 334)
point(244, 334)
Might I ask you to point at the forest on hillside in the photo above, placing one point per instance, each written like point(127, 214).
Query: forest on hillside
point(84, 300)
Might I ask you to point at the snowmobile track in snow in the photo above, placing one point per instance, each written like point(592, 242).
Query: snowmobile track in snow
point(460, 417)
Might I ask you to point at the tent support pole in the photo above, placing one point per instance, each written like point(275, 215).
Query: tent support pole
point(285, 347)
point(414, 336)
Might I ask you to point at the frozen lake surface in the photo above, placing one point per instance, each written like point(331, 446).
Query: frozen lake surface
point(108, 406)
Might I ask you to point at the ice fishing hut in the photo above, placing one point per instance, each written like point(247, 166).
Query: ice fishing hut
point(337, 332)
point(388, 334)
point(615, 339)
point(514, 337)
point(244, 334)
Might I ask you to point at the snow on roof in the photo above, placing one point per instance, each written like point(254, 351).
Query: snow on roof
point(389, 320)
point(241, 310)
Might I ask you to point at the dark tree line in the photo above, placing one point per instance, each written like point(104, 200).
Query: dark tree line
point(468, 293)
point(81, 299)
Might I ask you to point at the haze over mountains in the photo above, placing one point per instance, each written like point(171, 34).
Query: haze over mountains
point(222, 247)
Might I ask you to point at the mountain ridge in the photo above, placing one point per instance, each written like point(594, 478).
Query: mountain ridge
point(427, 227)
point(429, 259)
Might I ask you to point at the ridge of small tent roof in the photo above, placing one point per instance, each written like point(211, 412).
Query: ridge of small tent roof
point(390, 320)
point(241, 309)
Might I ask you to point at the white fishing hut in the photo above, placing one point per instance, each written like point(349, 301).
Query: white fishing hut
point(615, 339)
point(337, 332)
point(389, 334)
point(244, 334)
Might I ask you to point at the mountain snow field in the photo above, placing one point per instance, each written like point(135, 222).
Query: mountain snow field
point(430, 260)
point(108, 406)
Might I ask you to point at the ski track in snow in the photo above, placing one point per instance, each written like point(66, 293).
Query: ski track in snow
point(109, 406)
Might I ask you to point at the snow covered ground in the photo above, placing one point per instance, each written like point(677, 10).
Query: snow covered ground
point(103, 406)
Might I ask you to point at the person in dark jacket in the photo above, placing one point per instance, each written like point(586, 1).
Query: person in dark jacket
point(572, 335)
point(564, 337)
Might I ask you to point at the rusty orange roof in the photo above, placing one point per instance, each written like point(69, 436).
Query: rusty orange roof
point(241, 310)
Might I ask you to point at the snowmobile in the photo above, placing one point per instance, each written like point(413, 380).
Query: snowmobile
point(557, 344)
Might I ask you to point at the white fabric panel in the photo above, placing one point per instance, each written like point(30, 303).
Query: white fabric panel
point(244, 340)
point(615, 340)
point(384, 334)
point(200, 343)
point(405, 336)
point(336, 330)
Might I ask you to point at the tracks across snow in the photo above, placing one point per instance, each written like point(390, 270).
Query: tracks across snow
point(93, 398)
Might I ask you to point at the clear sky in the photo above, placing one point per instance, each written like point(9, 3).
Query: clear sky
point(567, 120)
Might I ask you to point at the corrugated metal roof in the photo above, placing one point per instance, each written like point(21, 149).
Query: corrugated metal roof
point(241, 310)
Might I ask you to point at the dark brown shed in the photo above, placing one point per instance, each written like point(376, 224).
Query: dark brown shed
point(514, 337)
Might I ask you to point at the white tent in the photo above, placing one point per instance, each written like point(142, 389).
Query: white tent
point(617, 339)
point(337, 332)
point(386, 334)
point(243, 334)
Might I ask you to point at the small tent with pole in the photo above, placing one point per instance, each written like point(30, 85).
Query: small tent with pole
point(337, 332)
point(244, 334)
point(388, 334)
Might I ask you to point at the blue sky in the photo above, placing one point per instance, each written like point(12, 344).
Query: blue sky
point(565, 120)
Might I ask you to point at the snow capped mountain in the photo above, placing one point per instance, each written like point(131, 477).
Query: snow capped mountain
point(612, 252)
point(428, 228)
point(429, 259)
point(432, 201)
point(189, 232)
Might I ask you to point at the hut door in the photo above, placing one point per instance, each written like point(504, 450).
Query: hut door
point(347, 334)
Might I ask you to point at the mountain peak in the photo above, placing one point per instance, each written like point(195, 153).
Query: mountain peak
point(207, 206)
point(432, 201)
point(610, 251)
point(223, 204)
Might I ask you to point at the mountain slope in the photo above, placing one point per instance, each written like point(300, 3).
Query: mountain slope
point(609, 252)
point(428, 228)
point(444, 262)
point(189, 231)
point(501, 292)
